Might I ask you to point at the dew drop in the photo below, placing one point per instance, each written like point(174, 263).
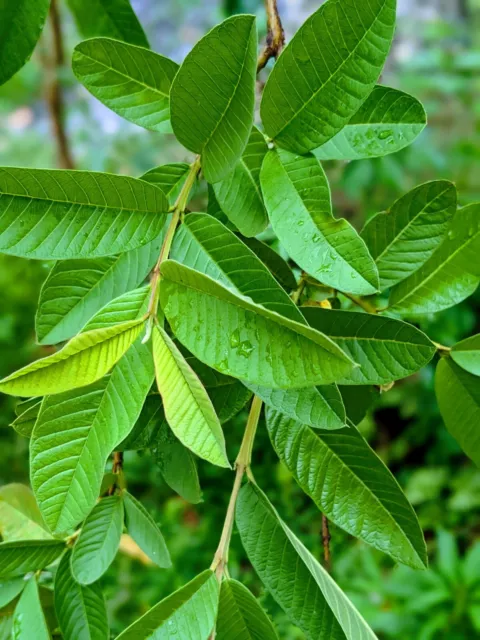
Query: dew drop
point(235, 339)
point(383, 135)
point(245, 349)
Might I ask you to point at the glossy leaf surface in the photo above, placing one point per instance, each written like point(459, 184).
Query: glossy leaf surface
point(467, 354)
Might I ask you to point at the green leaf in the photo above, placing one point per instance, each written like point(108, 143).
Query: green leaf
point(450, 275)
point(55, 214)
point(297, 197)
point(29, 620)
point(145, 431)
point(296, 580)
point(386, 349)
point(99, 539)
point(20, 517)
point(21, 556)
point(274, 263)
point(111, 18)
point(76, 431)
point(404, 238)
point(9, 590)
point(188, 409)
point(81, 610)
point(467, 354)
point(357, 404)
point(20, 28)
point(76, 289)
point(458, 396)
point(240, 617)
point(326, 72)
point(317, 407)
point(145, 531)
point(239, 194)
point(206, 245)
point(26, 416)
point(350, 485)
point(387, 121)
point(133, 82)
point(237, 337)
point(229, 399)
point(169, 178)
point(189, 613)
point(208, 121)
point(82, 361)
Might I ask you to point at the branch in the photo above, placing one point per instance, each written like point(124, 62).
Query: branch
point(326, 537)
point(275, 35)
point(117, 469)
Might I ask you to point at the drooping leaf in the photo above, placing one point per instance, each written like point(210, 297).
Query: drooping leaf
point(403, 239)
point(168, 177)
point(458, 397)
point(9, 590)
point(76, 431)
point(239, 194)
point(467, 354)
point(131, 81)
point(29, 620)
point(20, 517)
point(145, 531)
point(213, 95)
point(243, 339)
point(450, 275)
point(189, 613)
point(20, 28)
point(351, 485)
point(110, 18)
point(326, 72)
point(58, 214)
point(229, 399)
point(81, 610)
point(206, 245)
point(240, 616)
point(386, 349)
point(387, 121)
point(26, 418)
point(317, 407)
point(300, 585)
point(274, 262)
point(297, 197)
point(188, 409)
point(21, 556)
point(99, 539)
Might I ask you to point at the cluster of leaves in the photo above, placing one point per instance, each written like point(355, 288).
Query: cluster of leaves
point(161, 366)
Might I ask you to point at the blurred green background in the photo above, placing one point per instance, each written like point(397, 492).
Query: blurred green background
point(436, 56)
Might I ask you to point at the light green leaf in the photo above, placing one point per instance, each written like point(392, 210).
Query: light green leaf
point(229, 399)
point(240, 616)
point(386, 349)
point(299, 584)
point(467, 354)
point(297, 197)
point(350, 485)
point(27, 413)
point(458, 396)
point(206, 245)
point(55, 214)
point(274, 263)
point(326, 72)
point(76, 289)
point(404, 238)
point(188, 409)
point(76, 431)
point(20, 517)
point(237, 337)
point(318, 407)
point(111, 18)
point(99, 539)
point(29, 620)
point(81, 610)
point(20, 28)
point(168, 177)
point(9, 590)
point(145, 531)
point(387, 121)
point(82, 361)
point(131, 81)
point(450, 275)
point(21, 556)
point(189, 613)
point(217, 123)
point(239, 194)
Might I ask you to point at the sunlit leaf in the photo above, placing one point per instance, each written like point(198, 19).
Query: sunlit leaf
point(467, 354)
point(145, 531)
point(20, 517)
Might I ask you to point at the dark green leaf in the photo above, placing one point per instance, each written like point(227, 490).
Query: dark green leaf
point(145, 531)
point(229, 399)
point(358, 402)
point(213, 95)
point(467, 354)
point(145, 431)
point(21, 556)
point(26, 419)
point(9, 590)
point(274, 262)
point(29, 620)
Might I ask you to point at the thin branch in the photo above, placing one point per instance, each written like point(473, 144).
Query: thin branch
point(275, 35)
point(326, 537)
point(360, 302)
point(117, 469)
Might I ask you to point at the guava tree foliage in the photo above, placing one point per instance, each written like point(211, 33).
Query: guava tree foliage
point(164, 323)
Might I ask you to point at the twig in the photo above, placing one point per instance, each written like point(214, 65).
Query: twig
point(54, 94)
point(326, 537)
point(360, 302)
point(275, 35)
point(117, 469)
